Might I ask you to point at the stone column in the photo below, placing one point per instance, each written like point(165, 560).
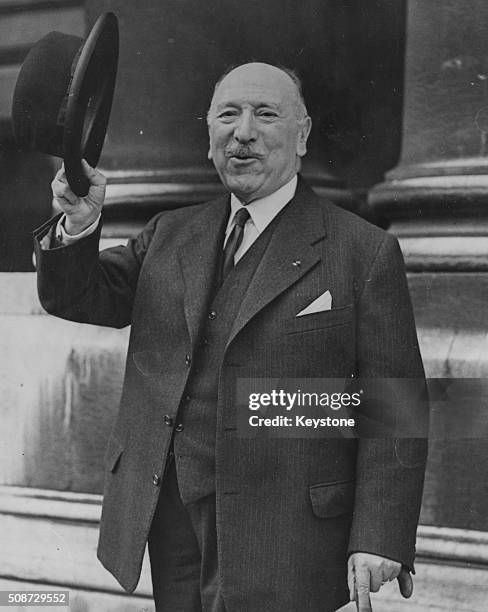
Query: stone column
point(435, 200)
point(436, 196)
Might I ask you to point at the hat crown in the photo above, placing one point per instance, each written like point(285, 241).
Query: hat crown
point(40, 91)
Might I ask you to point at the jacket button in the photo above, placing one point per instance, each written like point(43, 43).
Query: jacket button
point(212, 315)
point(168, 420)
point(179, 427)
point(188, 359)
point(156, 480)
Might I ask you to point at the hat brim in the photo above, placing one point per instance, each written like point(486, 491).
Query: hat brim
point(90, 101)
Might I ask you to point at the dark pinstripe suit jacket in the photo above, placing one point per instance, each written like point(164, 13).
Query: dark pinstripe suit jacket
point(288, 511)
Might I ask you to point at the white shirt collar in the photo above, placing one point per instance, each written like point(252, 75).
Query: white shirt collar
point(264, 210)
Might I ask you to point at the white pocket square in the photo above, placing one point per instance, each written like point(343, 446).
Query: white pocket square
point(323, 302)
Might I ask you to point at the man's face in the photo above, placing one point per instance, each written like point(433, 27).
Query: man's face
point(257, 135)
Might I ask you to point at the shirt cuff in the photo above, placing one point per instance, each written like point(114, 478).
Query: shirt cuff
point(67, 239)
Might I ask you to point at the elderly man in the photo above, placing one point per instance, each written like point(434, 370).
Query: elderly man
point(212, 293)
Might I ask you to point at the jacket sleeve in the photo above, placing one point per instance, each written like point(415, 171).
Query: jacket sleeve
point(79, 283)
point(390, 469)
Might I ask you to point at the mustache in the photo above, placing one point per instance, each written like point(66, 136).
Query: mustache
point(242, 151)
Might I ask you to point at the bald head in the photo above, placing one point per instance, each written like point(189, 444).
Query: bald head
point(277, 76)
point(258, 128)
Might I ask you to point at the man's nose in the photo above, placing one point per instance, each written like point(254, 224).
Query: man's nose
point(245, 129)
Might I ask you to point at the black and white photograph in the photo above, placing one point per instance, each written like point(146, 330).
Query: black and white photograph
point(244, 305)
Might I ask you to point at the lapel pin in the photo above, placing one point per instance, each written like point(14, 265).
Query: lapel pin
point(297, 263)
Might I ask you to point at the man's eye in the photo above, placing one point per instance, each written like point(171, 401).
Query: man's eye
point(228, 114)
point(268, 114)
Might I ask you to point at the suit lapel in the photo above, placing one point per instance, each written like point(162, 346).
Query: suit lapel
point(199, 256)
point(290, 254)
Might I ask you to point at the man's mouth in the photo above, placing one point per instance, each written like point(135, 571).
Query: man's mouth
point(243, 158)
point(242, 155)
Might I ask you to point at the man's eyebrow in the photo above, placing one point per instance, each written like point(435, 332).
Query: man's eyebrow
point(230, 103)
point(275, 105)
point(224, 105)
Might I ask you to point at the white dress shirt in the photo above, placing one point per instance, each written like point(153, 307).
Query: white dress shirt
point(262, 212)
point(65, 238)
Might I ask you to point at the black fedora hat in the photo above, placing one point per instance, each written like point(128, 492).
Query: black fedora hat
point(63, 96)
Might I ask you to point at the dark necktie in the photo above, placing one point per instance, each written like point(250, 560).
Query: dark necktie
point(234, 240)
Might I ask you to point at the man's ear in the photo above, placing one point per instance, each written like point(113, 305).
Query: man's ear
point(209, 154)
point(303, 134)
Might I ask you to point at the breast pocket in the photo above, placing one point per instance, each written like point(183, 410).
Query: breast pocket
point(321, 320)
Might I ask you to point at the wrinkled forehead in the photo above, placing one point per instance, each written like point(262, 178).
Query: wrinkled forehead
point(255, 85)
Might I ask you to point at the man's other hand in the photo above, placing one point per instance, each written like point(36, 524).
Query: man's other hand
point(80, 212)
point(367, 573)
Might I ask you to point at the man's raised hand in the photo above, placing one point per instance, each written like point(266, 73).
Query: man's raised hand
point(80, 212)
point(367, 573)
